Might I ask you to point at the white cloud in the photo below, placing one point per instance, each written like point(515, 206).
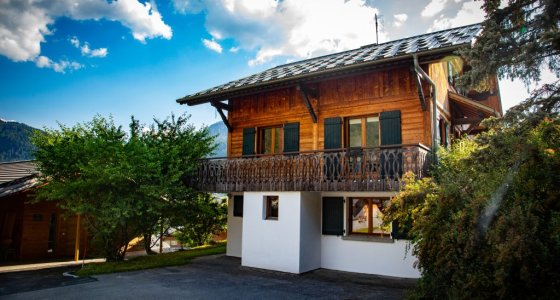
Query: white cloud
point(86, 51)
point(234, 49)
point(289, 28)
point(59, 67)
point(399, 19)
point(469, 13)
point(433, 8)
point(512, 92)
point(25, 24)
point(212, 45)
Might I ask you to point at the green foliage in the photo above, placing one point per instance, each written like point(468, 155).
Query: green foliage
point(486, 225)
point(123, 184)
point(152, 261)
point(15, 143)
point(516, 42)
point(202, 223)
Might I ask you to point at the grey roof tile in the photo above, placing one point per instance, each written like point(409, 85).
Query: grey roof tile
point(364, 54)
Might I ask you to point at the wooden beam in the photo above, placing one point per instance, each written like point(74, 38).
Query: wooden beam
point(462, 121)
point(307, 103)
point(221, 105)
point(420, 90)
point(224, 118)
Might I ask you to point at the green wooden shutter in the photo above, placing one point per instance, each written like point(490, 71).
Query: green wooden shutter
point(291, 137)
point(332, 133)
point(238, 206)
point(333, 215)
point(248, 141)
point(390, 123)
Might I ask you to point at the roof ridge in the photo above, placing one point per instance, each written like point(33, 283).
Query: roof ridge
point(369, 45)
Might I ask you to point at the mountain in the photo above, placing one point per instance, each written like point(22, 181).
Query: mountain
point(14, 141)
point(219, 129)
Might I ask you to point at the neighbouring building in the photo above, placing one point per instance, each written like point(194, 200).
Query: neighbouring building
point(34, 231)
point(317, 148)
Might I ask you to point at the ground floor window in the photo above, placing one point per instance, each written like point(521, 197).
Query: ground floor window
point(366, 216)
point(271, 203)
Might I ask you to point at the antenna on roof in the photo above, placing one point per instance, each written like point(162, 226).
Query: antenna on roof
point(376, 32)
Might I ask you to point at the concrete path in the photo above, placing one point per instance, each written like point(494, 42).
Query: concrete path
point(46, 265)
point(220, 277)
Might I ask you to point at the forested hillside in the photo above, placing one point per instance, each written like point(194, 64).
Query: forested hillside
point(220, 130)
point(14, 141)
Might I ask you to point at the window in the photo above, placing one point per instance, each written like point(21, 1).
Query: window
point(363, 132)
point(271, 204)
point(238, 206)
point(270, 140)
point(366, 216)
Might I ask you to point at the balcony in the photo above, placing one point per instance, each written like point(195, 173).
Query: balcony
point(354, 169)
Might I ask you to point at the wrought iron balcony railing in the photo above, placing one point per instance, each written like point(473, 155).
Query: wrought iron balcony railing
point(353, 169)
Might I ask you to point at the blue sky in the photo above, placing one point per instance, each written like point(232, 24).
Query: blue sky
point(68, 60)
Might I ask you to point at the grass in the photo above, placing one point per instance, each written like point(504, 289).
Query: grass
point(152, 261)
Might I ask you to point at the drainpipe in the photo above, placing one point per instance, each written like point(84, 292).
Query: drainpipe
point(434, 100)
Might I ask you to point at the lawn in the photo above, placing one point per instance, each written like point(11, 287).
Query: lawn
point(152, 261)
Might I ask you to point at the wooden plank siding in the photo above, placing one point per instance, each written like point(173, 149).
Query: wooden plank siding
point(365, 94)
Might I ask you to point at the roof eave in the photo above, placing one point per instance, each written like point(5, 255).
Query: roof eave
point(218, 96)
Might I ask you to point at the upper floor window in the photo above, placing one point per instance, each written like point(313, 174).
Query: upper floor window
point(270, 140)
point(363, 131)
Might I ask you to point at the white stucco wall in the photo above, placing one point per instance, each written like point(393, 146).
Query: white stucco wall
point(271, 244)
point(370, 257)
point(310, 238)
point(234, 231)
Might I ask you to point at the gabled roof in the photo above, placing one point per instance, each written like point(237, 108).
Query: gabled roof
point(17, 176)
point(445, 40)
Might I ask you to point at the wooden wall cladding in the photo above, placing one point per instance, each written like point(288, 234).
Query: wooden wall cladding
point(358, 95)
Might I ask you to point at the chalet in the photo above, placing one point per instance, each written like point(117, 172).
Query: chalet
point(317, 148)
point(34, 231)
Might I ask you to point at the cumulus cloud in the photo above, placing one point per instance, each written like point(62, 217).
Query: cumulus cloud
point(288, 28)
point(86, 51)
point(212, 45)
point(59, 67)
point(400, 19)
point(25, 24)
point(433, 8)
point(469, 13)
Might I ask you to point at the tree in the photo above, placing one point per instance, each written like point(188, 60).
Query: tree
point(123, 184)
point(487, 224)
point(202, 223)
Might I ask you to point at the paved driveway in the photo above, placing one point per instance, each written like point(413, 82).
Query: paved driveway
point(214, 277)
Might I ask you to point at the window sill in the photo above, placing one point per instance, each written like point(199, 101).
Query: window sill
point(368, 238)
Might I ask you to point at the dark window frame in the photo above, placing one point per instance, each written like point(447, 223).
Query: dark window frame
point(238, 205)
point(270, 212)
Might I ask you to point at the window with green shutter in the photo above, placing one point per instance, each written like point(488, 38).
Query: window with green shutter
point(333, 216)
point(390, 123)
point(291, 137)
point(333, 132)
point(248, 141)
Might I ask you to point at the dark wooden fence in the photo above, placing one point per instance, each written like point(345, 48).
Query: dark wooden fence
point(353, 169)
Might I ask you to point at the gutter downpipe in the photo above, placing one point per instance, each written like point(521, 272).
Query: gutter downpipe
point(434, 102)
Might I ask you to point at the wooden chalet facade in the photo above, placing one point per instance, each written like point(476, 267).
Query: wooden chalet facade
point(335, 134)
point(34, 231)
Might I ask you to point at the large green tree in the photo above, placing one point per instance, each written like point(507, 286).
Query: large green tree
point(124, 184)
point(487, 224)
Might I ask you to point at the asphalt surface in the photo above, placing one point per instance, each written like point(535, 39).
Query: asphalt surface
point(213, 277)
